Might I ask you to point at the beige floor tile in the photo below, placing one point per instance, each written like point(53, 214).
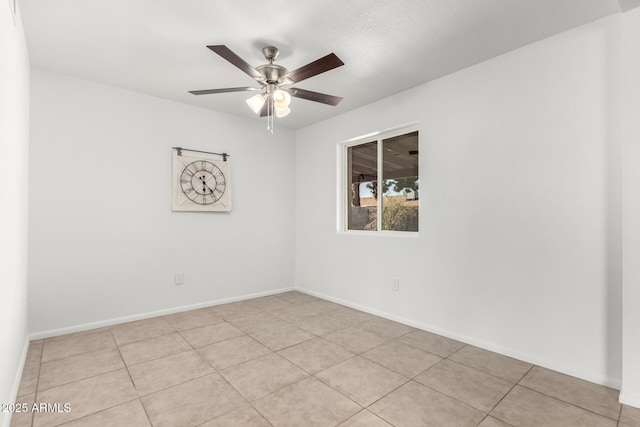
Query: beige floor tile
point(72, 345)
point(263, 375)
point(294, 313)
point(80, 333)
point(192, 319)
point(153, 348)
point(351, 317)
point(29, 380)
point(233, 351)
point(402, 358)
point(500, 366)
point(209, 334)
point(432, 343)
point(630, 416)
point(159, 374)
point(243, 416)
point(34, 354)
point(128, 414)
point(321, 307)
point(315, 355)
point(306, 403)
point(321, 324)
point(416, 405)
point(24, 417)
point(295, 297)
point(493, 422)
point(476, 389)
point(234, 309)
point(597, 398)
point(64, 371)
point(282, 336)
point(361, 380)
point(356, 340)
point(86, 397)
point(269, 304)
point(253, 322)
point(192, 403)
point(386, 328)
point(141, 330)
point(527, 408)
point(365, 418)
point(71, 369)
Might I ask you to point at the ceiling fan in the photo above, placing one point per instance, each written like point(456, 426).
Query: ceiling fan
point(273, 98)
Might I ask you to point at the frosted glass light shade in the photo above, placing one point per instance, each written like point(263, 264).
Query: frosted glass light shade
point(256, 102)
point(281, 98)
point(282, 111)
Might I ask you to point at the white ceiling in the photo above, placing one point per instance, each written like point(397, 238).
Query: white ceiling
point(158, 47)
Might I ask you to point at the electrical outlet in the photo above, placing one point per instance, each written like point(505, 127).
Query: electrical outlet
point(179, 278)
point(395, 285)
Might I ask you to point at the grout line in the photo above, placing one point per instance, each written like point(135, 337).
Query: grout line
point(35, 395)
point(507, 393)
point(154, 358)
point(279, 389)
point(454, 398)
point(568, 403)
point(487, 373)
point(78, 334)
point(338, 391)
point(130, 377)
point(388, 393)
point(261, 414)
point(98, 412)
point(82, 379)
point(144, 408)
point(176, 385)
point(619, 414)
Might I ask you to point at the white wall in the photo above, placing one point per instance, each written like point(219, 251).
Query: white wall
point(104, 242)
point(630, 55)
point(519, 245)
point(14, 154)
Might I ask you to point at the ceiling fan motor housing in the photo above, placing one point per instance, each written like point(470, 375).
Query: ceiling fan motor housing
point(271, 72)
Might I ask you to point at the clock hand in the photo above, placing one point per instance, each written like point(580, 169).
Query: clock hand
point(205, 186)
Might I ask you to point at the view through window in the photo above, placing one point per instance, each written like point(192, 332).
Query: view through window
point(383, 176)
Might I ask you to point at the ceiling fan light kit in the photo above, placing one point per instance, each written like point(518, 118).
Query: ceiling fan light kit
point(256, 102)
point(274, 99)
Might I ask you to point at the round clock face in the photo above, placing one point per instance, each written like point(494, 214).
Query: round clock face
point(202, 182)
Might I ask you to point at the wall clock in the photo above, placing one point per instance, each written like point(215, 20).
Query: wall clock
point(201, 181)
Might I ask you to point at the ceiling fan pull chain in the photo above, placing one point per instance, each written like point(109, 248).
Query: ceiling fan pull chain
point(268, 113)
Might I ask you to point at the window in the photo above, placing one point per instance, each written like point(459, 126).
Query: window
point(382, 176)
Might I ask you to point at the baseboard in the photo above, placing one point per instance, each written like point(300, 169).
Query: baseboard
point(6, 419)
point(629, 400)
point(606, 381)
point(125, 319)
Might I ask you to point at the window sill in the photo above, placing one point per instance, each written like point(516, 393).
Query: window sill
point(403, 234)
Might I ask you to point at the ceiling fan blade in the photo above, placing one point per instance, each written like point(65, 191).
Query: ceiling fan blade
point(314, 68)
point(225, 90)
point(315, 96)
point(230, 56)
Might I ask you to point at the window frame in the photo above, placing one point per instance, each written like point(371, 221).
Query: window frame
point(344, 168)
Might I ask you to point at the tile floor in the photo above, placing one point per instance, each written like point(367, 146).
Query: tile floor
point(295, 360)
